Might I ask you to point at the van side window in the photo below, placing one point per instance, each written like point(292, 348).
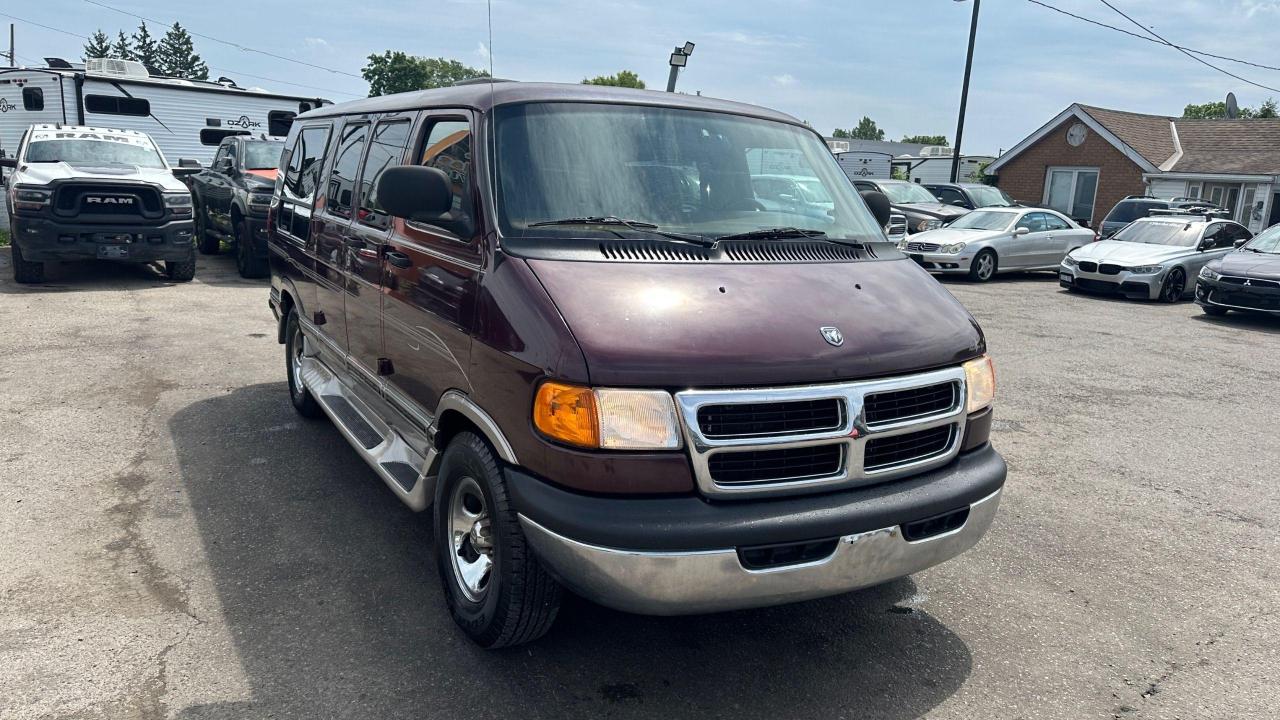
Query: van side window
point(342, 178)
point(385, 150)
point(448, 148)
point(301, 177)
point(32, 98)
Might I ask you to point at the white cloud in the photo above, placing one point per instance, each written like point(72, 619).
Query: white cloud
point(784, 79)
point(316, 43)
point(482, 50)
point(754, 39)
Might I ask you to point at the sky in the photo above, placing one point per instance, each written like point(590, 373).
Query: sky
point(828, 63)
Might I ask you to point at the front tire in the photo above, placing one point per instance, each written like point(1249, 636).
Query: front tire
point(180, 270)
point(496, 590)
point(1174, 286)
point(247, 264)
point(294, 348)
point(25, 271)
point(208, 243)
point(984, 266)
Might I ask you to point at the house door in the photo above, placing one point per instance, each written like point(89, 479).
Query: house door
point(1223, 195)
point(1275, 210)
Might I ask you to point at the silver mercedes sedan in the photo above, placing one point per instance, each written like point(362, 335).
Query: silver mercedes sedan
point(992, 240)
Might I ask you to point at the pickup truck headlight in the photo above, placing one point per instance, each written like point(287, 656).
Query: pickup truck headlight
point(980, 380)
point(1146, 269)
point(606, 418)
point(30, 199)
point(928, 225)
point(1208, 273)
point(953, 249)
point(259, 201)
point(178, 203)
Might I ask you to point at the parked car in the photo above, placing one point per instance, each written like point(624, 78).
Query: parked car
point(921, 208)
point(87, 193)
point(970, 196)
point(545, 340)
point(232, 197)
point(1139, 206)
point(1247, 280)
point(792, 193)
point(1152, 258)
point(993, 240)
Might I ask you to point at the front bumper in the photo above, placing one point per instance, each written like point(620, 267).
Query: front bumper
point(943, 262)
point(1232, 296)
point(672, 556)
point(1127, 284)
point(44, 240)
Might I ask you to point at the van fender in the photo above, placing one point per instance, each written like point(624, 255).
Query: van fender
point(458, 401)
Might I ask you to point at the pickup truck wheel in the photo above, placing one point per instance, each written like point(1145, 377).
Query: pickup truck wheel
point(984, 266)
point(26, 271)
point(495, 588)
point(248, 265)
point(208, 243)
point(180, 270)
point(295, 346)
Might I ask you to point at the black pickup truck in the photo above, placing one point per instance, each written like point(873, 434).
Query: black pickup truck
point(232, 197)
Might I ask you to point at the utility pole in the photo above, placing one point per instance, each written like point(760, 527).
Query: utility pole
point(964, 92)
point(13, 59)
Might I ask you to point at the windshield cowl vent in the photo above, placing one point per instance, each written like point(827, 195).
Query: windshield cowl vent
point(775, 251)
point(653, 250)
point(743, 251)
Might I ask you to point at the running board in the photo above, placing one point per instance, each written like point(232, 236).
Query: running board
point(401, 467)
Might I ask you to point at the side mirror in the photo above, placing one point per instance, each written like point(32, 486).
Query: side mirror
point(9, 162)
point(415, 192)
point(188, 163)
point(182, 172)
point(1021, 230)
point(1240, 243)
point(878, 204)
point(226, 165)
point(1206, 244)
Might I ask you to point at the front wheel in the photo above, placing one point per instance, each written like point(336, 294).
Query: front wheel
point(25, 271)
point(496, 590)
point(180, 270)
point(206, 241)
point(1175, 284)
point(295, 346)
point(984, 266)
point(247, 263)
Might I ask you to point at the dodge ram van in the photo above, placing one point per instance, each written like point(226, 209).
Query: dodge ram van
point(561, 318)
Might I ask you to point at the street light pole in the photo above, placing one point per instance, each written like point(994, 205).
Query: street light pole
point(964, 93)
point(679, 58)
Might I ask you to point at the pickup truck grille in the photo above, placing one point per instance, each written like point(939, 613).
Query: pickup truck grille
point(108, 202)
point(784, 440)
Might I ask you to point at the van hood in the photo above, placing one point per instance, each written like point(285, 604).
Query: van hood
point(45, 173)
point(1130, 253)
point(1244, 263)
point(677, 325)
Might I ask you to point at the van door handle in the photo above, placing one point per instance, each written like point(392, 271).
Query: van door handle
point(399, 259)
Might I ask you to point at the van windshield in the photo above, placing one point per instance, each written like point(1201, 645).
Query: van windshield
point(687, 171)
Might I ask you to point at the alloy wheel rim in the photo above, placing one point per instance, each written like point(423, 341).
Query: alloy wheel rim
point(470, 539)
point(1174, 287)
point(985, 266)
point(295, 360)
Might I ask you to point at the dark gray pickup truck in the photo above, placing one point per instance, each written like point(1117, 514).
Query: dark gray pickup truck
point(232, 197)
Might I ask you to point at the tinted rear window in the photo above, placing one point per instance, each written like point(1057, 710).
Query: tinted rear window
point(1130, 210)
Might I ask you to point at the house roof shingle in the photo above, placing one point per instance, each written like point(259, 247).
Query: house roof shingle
point(1149, 135)
point(1246, 147)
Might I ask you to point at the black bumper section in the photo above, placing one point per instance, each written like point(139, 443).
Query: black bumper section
point(43, 240)
point(691, 523)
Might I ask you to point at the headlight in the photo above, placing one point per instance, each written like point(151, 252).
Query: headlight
point(1207, 273)
point(1070, 261)
point(607, 418)
point(953, 249)
point(178, 203)
point(30, 198)
point(260, 201)
point(980, 379)
point(902, 244)
point(1146, 269)
point(928, 225)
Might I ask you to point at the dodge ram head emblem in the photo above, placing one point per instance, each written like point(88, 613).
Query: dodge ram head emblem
point(108, 200)
point(833, 336)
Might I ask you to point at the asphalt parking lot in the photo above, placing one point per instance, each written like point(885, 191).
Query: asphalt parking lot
point(176, 542)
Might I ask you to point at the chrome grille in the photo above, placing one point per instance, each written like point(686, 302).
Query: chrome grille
point(922, 247)
point(897, 227)
point(780, 440)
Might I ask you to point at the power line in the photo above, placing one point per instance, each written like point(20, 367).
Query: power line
point(78, 36)
point(1202, 61)
point(238, 46)
point(1101, 24)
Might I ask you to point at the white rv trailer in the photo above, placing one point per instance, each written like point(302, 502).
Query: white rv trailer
point(186, 118)
point(933, 165)
point(860, 164)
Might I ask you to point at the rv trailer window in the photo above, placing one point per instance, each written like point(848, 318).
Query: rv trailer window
point(113, 105)
point(279, 121)
point(215, 136)
point(32, 98)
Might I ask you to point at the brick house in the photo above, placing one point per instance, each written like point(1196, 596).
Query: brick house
point(1087, 159)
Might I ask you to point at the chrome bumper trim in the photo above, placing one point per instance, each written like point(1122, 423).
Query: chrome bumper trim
point(680, 583)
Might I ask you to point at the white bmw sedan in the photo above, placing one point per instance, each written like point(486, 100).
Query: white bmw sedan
point(992, 240)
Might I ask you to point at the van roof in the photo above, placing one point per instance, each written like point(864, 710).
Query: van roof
point(485, 96)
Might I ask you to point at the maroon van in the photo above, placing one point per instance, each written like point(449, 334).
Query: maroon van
point(565, 319)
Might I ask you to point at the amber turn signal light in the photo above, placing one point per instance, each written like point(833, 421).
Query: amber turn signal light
point(567, 413)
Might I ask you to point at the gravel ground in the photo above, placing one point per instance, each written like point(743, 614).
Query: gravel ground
point(176, 542)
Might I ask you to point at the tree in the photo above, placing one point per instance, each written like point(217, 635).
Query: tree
point(99, 46)
point(840, 133)
point(394, 72)
point(121, 49)
point(1214, 110)
point(926, 140)
point(145, 49)
point(1268, 109)
point(867, 130)
point(176, 56)
point(624, 78)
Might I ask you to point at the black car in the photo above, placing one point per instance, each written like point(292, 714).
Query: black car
point(921, 208)
point(1140, 206)
point(1247, 279)
point(970, 196)
point(232, 197)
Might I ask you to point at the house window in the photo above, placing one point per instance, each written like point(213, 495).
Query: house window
point(1193, 190)
point(32, 98)
point(1071, 191)
point(117, 105)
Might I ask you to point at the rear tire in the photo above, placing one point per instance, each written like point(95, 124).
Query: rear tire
point(247, 263)
point(180, 270)
point(294, 345)
point(984, 266)
point(25, 271)
point(496, 590)
point(208, 243)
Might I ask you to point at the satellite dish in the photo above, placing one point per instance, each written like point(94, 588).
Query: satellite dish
point(1233, 110)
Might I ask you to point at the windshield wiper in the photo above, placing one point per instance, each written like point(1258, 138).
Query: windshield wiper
point(786, 233)
point(636, 225)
